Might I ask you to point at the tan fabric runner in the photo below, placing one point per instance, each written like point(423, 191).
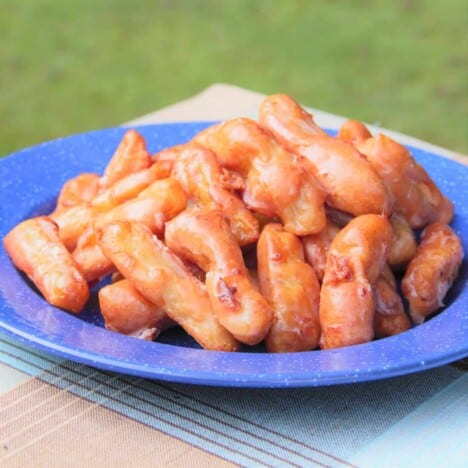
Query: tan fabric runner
point(74, 415)
point(45, 426)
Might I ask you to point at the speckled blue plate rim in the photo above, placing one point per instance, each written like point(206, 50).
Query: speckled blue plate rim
point(29, 183)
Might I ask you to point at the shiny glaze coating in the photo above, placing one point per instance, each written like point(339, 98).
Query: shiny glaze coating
point(130, 186)
point(203, 237)
point(89, 257)
point(390, 317)
point(416, 195)
point(355, 260)
point(277, 183)
point(159, 202)
point(291, 287)
point(164, 280)
point(72, 222)
point(354, 132)
point(130, 156)
point(351, 183)
point(201, 176)
point(404, 244)
point(153, 206)
point(316, 248)
point(126, 311)
point(81, 189)
point(35, 248)
point(402, 250)
point(432, 270)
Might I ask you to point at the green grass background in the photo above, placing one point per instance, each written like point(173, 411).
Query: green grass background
point(67, 67)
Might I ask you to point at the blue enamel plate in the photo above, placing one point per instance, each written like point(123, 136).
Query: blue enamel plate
point(30, 181)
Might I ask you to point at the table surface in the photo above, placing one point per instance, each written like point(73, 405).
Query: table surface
point(21, 386)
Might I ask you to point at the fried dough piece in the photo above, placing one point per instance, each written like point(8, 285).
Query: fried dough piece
point(153, 206)
point(78, 190)
point(130, 186)
point(390, 317)
point(131, 156)
point(355, 260)
point(73, 222)
point(168, 155)
point(35, 248)
point(404, 244)
point(229, 180)
point(316, 248)
point(163, 279)
point(198, 171)
point(89, 257)
point(416, 195)
point(431, 272)
point(291, 287)
point(158, 203)
point(126, 311)
point(354, 132)
point(351, 183)
point(203, 237)
point(277, 183)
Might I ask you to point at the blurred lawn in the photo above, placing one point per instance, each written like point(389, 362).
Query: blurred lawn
point(67, 67)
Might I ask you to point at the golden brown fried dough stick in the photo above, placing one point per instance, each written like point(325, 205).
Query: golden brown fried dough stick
point(164, 280)
point(198, 171)
point(158, 203)
point(130, 186)
point(153, 206)
point(89, 257)
point(291, 287)
point(78, 190)
point(203, 237)
point(351, 183)
point(277, 183)
point(126, 311)
point(168, 155)
point(354, 132)
point(431, 272)
point(416, 195)
point(35, 248)
point(316, 248)
point(229, 180)
point(73, 222)
point(404, 244)
point(131, 156)
point(355, 260)
point(390, 317)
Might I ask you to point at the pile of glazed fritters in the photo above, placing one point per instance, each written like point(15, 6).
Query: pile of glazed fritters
point(252, 231)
